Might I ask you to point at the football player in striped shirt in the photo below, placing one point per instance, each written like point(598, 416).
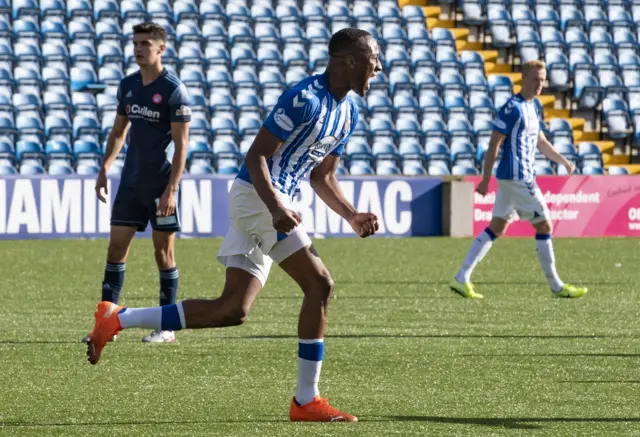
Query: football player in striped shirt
point(305, 134)
point(517, 131)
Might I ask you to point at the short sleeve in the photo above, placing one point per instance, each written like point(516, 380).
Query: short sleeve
point(338, 151)
point(294, 108)
point(179, 105)
point(120, 107)
point(507, 117)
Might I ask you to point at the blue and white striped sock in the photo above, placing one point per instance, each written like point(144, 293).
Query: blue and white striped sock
point(310, 355)
point(168, 286)
point(477, 251)
point(166, 318)
point(547, 259)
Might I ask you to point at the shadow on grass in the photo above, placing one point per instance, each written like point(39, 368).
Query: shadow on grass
point(505, 422)
point(27, 424)
point(435, 336)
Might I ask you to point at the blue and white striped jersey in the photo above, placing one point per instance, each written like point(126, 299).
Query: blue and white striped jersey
point(312, 124)
point(518, 120)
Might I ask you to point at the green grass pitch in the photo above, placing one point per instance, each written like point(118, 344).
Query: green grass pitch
point(403, 353)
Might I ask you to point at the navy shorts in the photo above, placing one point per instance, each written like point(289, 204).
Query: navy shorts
point(135, 207)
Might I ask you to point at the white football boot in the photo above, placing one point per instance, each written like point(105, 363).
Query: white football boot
point(160, 337)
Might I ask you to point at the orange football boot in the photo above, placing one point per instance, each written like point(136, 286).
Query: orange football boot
point(107, 325)
point(318, 410)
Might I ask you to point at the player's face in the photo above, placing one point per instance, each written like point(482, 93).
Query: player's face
point(535, 80)
point(147, 51)
point(367, 67)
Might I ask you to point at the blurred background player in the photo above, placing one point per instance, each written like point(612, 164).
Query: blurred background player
point(518, 193)
point(155, 103)
point(306, 132)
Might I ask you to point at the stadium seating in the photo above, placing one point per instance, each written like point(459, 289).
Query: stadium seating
point(429, 112)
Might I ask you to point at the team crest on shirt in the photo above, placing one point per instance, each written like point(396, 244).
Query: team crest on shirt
point(257, 240)
point(157, 98)
point(319, 149)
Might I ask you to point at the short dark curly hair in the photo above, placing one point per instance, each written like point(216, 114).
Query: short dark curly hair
point(347, 39)
point(156, 31)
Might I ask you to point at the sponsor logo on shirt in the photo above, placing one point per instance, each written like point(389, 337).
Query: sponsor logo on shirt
point(319, 149)
point(138, 111)
point(283, 120)
point(157, 98)
point(129, 95)
point(184, 111)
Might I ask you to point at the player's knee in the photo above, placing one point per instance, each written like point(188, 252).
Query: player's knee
point(544, 228)
point(117, 251)
point(235, 315)
point(320, 288)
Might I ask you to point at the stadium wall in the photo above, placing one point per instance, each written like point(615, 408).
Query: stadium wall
point(49, 207)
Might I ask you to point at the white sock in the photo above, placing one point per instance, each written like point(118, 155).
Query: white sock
point(148, 318)
point(477, 251)
point(310, 355)
point(544, 247)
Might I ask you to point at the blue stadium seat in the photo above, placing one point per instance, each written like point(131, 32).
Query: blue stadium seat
point(27, 102)
point(262, 13)
point(87, 169)
point(434, 130)
point(59, 169)
point(619, 171)
point(52, 8)
point(85, 149)
point(595, 17)
point(160, 10)
point(8, 128)
point(400, 80)
point(25, 8)
point(212, 12)
point(587, 91)
point(240, 32)
point(560, 130)
point(571, 18)
point(30, 128)
point(457, 107)
point(81, 30)
point(500, 25)
point(29, 150)
point(86, 128)
point(7, 153)
point(432, 106)
point(453, 84)
point(616, 117)
point(85, 79)
point(314, 12)
point(201, 169)
point(267, 33)
point(389, 13)
point(56, 127)
point(559, 71)
point(612, 84)
point(84, 102)
point(413, 168)
point(625, 42)
point(106, 9)
point(442, 37)
point(289, 13)
point(592, 171)
point(547, 16)
point(601, 41)
point(360, 168)
point(529, 45)
point(461, 128)
point(108, 31)
point(408, 128)
point(382, 128)
point(501, 88)
point(7, 170)
point(380, 104)
point(544, 169)
point(31, 169)
point(620, 18)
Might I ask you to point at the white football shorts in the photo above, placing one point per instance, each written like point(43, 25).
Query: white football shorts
point(520, 199)
point(252, 243)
